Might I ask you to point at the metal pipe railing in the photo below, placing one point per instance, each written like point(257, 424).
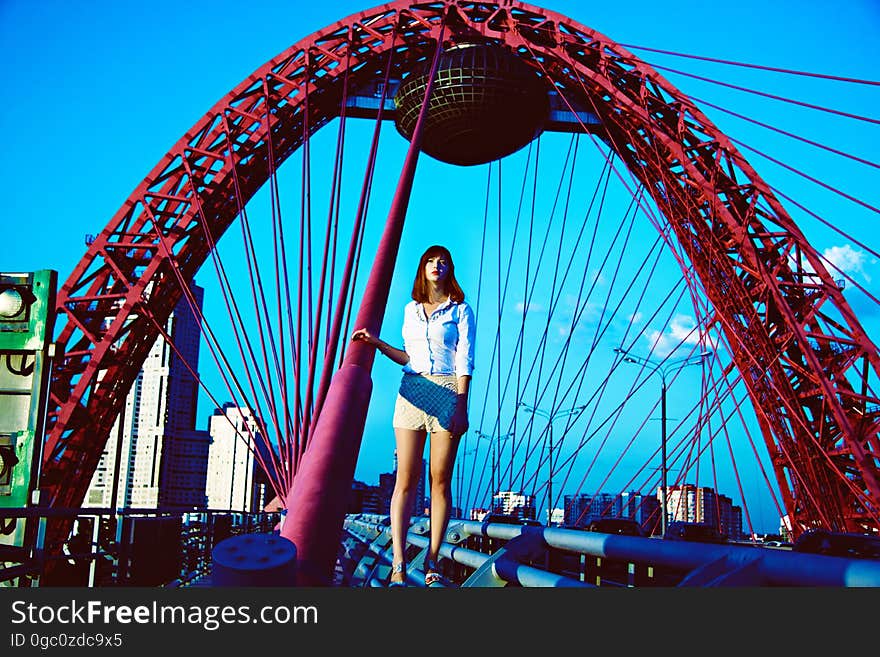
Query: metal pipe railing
point(505, 568)
point(701, 564)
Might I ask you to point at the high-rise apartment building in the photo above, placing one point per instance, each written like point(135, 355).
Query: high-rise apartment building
point(513, 503)
point(154, 456)
point(644, 509)
point(581, 509)
point(232, 464)
point(690, 503)
point(365, 499)
point(386, 490)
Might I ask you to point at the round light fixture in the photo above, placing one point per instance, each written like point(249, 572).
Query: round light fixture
point(11, 303)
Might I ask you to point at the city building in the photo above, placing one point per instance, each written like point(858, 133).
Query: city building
point(154, 457)
point(232, 464)
point(365, 499)
point(377, 499)
point(513, 503)
point(386, 490)
point(581, 509)
point(690, 503)
point(477, 513)
point(644, 509)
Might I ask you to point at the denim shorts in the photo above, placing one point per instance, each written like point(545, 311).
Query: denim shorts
point(426, 402)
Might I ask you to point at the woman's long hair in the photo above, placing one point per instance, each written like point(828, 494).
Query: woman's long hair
point(420, 286)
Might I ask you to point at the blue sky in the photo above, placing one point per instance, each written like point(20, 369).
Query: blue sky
point(96, 93)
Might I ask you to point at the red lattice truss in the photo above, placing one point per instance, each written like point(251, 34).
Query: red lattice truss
point(800, 349)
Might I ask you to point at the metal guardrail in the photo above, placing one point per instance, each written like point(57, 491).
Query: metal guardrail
point(496, 554)
point(149, 547)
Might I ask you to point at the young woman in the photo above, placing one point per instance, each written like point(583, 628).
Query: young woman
point(438, 359)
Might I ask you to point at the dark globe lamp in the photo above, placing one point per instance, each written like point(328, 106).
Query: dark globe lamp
point(486, 103)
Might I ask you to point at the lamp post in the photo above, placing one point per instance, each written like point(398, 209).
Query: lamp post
point(663, 368)
point(550, 417)
point(493, 440)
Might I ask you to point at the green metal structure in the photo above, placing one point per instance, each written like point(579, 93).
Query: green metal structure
point(27, 319)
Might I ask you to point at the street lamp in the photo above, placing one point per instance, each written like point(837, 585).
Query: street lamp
point(550, 417)
point(664, 368)
point(493, 440)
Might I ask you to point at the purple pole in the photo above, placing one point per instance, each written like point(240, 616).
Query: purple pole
point(316, 502)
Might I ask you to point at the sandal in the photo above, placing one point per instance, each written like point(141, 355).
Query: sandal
point(432, 573)
point(398, 569)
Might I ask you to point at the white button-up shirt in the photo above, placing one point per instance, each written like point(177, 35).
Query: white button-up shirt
point(442, 343)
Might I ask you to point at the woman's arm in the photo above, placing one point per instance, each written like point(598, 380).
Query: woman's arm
point(465, 347)
point(464, 366)
point(459, 424)
point(399, 356)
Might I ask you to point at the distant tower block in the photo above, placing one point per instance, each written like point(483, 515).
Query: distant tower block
point(486, 103)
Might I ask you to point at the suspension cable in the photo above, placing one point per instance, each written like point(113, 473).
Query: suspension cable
point(754, 66)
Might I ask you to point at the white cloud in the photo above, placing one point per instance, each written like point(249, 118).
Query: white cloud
point(587, 313)
point(680, 331)
point(848, 260)
point(522, 307)
point(597, 277)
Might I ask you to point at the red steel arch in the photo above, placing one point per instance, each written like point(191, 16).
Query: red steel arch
point(802, 352)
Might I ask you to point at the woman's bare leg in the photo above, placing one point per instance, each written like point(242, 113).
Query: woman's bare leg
point(444, 447)
point(410, 448)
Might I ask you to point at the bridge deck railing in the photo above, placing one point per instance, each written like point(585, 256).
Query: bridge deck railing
point(167, 548)
point(500, 554)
